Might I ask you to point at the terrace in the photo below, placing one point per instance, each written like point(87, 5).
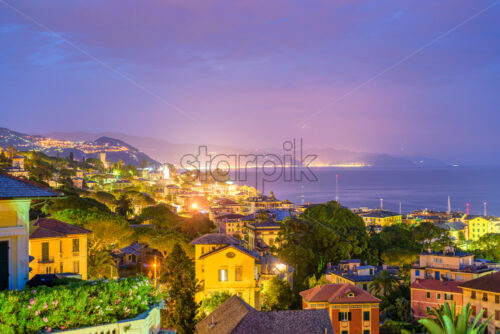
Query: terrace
point(84, 307)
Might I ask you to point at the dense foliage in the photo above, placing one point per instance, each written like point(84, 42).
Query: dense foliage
point(277, 295)
point(211, 302)
point(75, 305)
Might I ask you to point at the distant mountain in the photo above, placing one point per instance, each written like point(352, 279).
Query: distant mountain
point(165, 151)
point(115, 149)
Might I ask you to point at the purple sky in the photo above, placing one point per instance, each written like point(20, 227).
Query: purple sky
point(251, 73)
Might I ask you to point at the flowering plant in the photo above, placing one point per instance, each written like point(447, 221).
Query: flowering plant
point(81, 304)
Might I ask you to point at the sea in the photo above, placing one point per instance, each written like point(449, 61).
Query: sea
point(406, 188)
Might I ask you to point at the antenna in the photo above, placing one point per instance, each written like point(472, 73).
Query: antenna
point(336, 187)
point(400, 208)
point(484, 204)
point(381, 204)
point(467, 205)
point(449, 205)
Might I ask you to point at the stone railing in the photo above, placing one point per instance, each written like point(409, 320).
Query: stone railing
point(145, 323)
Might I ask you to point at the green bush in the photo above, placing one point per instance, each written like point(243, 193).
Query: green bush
point(86, 303)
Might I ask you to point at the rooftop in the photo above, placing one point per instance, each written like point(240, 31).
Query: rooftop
point(215, 239)
point(490, 282)
point(13, 187)
point(52, 228)
point(379, 214)
point(436, 285)
point(237, 317)
point(338, 293)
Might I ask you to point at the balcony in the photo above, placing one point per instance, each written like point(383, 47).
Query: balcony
point(46, 260)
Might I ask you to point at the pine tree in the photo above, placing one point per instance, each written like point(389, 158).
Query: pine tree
point(179, 278)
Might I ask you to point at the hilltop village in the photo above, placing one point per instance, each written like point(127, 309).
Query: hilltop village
point(203, 254)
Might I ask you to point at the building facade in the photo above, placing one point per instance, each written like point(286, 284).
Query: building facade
point(484, 294)
point(15, 199)
point(58, 247)
point(351, 309)
point(426, 294)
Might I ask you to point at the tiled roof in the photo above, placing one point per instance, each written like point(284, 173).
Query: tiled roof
point(338, 293)
point(13, 187)
point(52, 228)
point(234, 316)
point(490, 282)
point(436, 285)
point(268, 223)
point(229, 216)
point(215, 239)
point(379, 214)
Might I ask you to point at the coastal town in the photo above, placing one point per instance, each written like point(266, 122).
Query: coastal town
point(150, 248)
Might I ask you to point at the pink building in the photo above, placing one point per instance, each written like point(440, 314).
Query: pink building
point(429, 293)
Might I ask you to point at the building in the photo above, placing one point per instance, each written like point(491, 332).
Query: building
point(58, 247)
point(484, 294)
point(352, 272)
point(17, 167)
point(229, 223)
point(221, 264)
point(352, 310)
point(262, 235)
point(381, 218)
point(259, 203)
point(429, 293)
point(15, 199)
point(448, 265)
point(235, 316)
point(457, 230)
point(481, 225)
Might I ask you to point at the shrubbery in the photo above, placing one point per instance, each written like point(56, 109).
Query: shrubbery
point(75, 305)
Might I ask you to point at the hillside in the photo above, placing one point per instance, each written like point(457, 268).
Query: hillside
point(115, 149)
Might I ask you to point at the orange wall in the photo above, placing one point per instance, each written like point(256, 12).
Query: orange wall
point(420, 302)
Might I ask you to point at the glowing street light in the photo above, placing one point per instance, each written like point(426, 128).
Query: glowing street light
point(281, 267)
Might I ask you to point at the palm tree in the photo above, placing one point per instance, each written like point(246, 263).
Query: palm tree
point(383, 283)
point(101, 263)
point(447, 321)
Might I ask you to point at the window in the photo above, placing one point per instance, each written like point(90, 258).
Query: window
point(76, 245)
point(365, 287)
point(366, 315)
point(485, 297)
point(366, 331)
point(497, 299)
point(448, 296)
point(417, 272)
point(45, 251)
point(497, 315)
point(458, 277)
point(428, 308)
point(238, 273)
point(222, 275)
point(48, 270)
point(345, 332)
point(428, 295)
point(473, 295)
point(60, 247)
point(61, 267)
point(438, 296)
point(485, 313)
point(473, 311)
point(76, 266)
point(344, 316)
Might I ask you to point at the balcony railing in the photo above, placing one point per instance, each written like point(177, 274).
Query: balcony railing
point(145, 323)
point(49, 259)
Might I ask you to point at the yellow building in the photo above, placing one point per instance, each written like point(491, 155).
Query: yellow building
point(58, 247)
point(15, 199)
point(222, 265)
point(484, 294)
point(262, 234)
point(481, 225)
point(381, 218)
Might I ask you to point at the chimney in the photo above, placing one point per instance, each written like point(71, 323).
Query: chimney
point(328, 265)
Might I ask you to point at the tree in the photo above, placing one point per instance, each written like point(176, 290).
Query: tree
point(446, 320)
point(101, 264)
point(487, 246)
point(313, 282)
point(123, 206)
point(211, 302)
point(323, 233)
point(71, 156)
point(277, 295)
point(11, 152)
point(181, 285)
point(383, 283)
